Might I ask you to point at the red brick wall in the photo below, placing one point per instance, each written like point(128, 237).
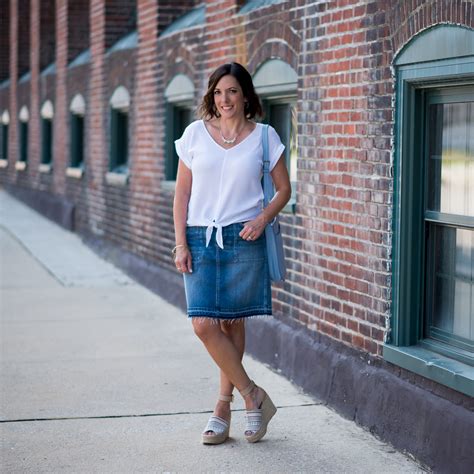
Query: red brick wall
point(120, 19)
point(23, 37)
point(339, 239)
point(47, 32)
point(4, 40)
point(78, 27)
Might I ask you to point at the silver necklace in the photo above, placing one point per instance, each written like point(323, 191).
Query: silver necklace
point(231, 141)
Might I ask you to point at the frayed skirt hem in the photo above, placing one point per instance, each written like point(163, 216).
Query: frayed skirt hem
point(217, 319)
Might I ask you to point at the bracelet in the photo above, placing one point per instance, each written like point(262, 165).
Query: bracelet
point(173, 252)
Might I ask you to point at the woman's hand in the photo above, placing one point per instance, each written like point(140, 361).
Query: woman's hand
point(183, 260)
point(253, 229)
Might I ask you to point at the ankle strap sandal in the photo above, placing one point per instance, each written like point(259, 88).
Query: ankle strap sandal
point(226, 398)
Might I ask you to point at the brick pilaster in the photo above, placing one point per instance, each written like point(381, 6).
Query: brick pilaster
point(13, 106)
point(4, 41)
point(147, 163)
point(34, 131)
point(96, 159)
point(60, 128)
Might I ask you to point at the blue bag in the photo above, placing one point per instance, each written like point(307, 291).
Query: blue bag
point(274, 241)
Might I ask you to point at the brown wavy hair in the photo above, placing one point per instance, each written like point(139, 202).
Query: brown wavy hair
point(253, 106)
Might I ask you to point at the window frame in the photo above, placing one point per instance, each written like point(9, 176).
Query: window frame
point(405, 345)
point(4, 141)
point(76, 143)
point(23, 139)
point(171, 157)
point(119, 141)
point(46, 141)
point(283, 99)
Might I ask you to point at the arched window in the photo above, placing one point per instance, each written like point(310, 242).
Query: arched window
point(24, 117)
point(47, 114)
point(179, 95)
point(119, 109)
point(276, 83)
point(77, 111)
point(433, 240)
point(5, 122)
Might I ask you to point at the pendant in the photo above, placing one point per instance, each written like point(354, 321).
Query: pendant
point(228, 142)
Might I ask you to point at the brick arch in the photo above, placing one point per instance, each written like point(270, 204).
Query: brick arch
point(185, 66)
point(404, 24)
point(274, 40)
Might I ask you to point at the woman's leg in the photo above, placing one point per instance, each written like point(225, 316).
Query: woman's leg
point(222, 349)
point(227, 357)
point(235, 331)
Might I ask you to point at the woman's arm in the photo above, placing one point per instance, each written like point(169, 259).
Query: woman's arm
point(182, 193)
point(282, 195)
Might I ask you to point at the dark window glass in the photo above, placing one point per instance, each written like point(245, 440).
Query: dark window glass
point(178, 118)
point(23, 141)
point(47, 140)
point(77, 140)
point(5, 142)
point(449, 310)
point(281, 115)
point(119, 141)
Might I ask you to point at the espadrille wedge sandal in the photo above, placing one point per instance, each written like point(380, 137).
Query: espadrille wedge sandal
point(217, 425)
point(258, 419)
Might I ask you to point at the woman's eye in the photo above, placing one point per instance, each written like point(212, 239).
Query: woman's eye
point(217, 92)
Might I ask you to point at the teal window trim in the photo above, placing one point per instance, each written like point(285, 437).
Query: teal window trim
point(178, 116)
point(118, 141)
point(4, 141)
point(77, 140)
point(405, 346)
point(46, 140)
point(267, 102)
point(23, 142)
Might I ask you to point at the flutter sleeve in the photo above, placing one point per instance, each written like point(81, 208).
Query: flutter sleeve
point(275, 147)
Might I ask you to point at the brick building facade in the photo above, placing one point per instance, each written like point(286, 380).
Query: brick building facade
point(109, 84)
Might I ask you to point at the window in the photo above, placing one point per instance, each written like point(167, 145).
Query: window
point(23, 125)
point(5, 120)
point(276, 83)
point(77, 140)
point(47, 133)
point(179, 96)
point(77, 111)
point(432, 324)
point(449, 218)
point(281, 115)
point(120, 103)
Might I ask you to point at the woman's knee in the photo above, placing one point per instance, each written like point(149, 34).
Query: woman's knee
point(233, 327)
point(205, 329)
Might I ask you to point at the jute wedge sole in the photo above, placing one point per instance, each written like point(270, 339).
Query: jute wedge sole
point(258, 419)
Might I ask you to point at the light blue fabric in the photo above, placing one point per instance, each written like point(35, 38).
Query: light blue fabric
point(228, 283)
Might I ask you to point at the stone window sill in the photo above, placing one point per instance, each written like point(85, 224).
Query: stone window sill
point(45, 168)
point(20, 165)
point(116, 179)
point(3, 163)
point(444, 370)
point(168, 186)
point(73, 172)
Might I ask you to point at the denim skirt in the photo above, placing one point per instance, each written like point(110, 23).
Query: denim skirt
point(229, 283)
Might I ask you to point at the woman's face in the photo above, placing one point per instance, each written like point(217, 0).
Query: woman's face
point(229, 98)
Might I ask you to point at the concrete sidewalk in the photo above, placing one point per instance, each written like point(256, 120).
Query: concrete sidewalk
point(100, 375)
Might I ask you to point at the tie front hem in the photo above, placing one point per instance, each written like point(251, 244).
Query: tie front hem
point(209, 230)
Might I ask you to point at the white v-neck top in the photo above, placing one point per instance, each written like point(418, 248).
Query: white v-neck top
point(226, 186)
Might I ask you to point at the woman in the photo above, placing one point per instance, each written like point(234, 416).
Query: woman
point(220, 241)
